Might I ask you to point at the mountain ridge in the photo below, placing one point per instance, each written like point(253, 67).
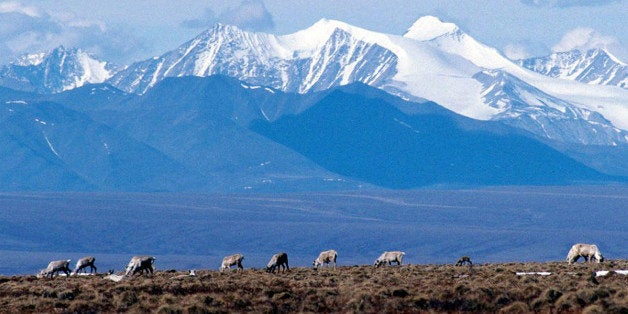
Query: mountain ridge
point(594, 66)
point(440, 66)
point(405, 151)
point(211, 134)
point(55, 71)
point(433, 60)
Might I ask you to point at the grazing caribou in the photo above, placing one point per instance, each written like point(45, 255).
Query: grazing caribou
point(139, 264)
point(326, 257)
point(588, 251)
point(55, 267)
point(232, 260)
point(464, 260)
point(278, 261)
point(388, 258)
point(83, 263)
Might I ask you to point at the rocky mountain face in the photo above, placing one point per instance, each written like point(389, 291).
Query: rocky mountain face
point(56, 71)
point(264, 59)
point(434, 61)
point(595, 66)
point(526, 107)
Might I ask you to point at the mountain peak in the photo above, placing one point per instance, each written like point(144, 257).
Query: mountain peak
point(330, 23)
point(34, 59)
point(314, 36)
point(30, 59)
point(595, 66)
point(612, 56)
point(220, 27)
point(62, 49)
point(430, 27)
point(325, 27)
point(219, 30)
point(54, 71)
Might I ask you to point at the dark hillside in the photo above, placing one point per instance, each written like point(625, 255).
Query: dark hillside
point(372, 140)
point(218, 134)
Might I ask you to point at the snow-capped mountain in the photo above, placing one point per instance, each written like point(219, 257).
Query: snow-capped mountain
point(285, 63)
point(595, 66)
point(58, 70)
point(433, 60)
point(526, 107)
point(448, 37)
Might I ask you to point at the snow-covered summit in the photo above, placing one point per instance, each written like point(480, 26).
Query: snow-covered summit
point(31, 59)
point(595, 66)
point(312, 36)
point(450, 38)
point(55, 71)
point(524, 106)
point(327, 54)
point(430, 27)
point(311, 39)
point(434, 60)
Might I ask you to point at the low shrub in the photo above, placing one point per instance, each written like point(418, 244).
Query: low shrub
point(410, 288)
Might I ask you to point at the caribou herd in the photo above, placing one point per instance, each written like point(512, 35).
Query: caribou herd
point(278, 262)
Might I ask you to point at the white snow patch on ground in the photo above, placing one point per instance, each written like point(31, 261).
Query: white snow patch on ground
point(540, 273)
point(602, 273)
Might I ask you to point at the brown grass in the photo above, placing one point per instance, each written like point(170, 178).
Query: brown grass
point(409, 288)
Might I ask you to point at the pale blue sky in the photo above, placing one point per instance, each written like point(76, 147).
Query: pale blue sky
point(123, 31)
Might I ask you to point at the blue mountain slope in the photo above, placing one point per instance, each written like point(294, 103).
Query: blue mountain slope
point(49, 147)
point(202, 124)
point(219, 134)
point(372, 140)
point(90, 97)
point(24, 166)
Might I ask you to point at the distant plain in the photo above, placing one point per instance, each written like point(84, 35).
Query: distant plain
point(194, 231)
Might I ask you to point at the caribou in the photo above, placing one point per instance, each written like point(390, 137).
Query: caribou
point(325, 257)
point(278, 261)
point(83, 263)
point(388, 258)
point(55, 267)
point(464, 260)
point(139, 264)
point(588, 251)
point(232, 260)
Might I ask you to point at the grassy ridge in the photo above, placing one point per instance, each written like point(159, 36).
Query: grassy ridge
point(408, 288)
